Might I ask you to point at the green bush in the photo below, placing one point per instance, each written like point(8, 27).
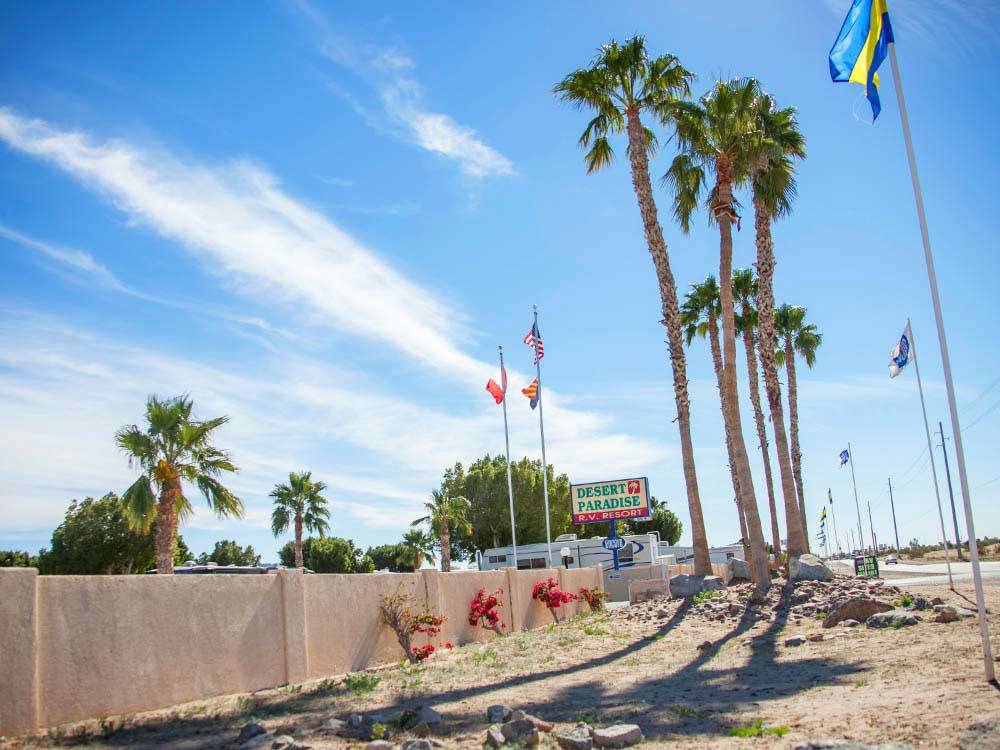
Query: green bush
point(703, 596)
point(361, 683)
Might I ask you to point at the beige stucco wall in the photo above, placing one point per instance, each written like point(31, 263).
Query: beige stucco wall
point(80, 647)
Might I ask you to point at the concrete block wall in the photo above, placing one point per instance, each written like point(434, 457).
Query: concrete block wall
point(80, 647)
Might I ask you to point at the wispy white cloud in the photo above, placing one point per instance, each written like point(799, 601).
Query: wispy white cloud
point(390, 73)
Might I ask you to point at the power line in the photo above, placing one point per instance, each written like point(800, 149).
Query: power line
point(982, 393)
point(977, 419)
point(994, 479)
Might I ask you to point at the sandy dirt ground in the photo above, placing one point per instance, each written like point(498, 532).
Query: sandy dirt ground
point(919, 685)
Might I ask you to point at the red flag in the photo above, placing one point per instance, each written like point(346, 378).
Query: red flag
point(495, 390)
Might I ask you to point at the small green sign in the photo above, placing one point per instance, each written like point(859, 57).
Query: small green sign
point(866, 567)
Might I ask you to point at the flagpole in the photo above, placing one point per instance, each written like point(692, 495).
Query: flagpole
point(930, 449)
point(833, 515)
point(857, 505)
point(541, 430)
point(510, 485)
point(956, 427)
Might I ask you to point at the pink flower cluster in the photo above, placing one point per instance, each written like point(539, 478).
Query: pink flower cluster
point(551, 595)
point(425, 652)
point(483, 610)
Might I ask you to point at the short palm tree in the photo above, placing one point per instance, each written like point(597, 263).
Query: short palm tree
point(700, 317)
point(300, 502)
point(622, 84)
point(802, 338)
point(718, 134)
point(745, 292)
point(773, 183)
point(445, 514)
point(417, 548)
point(173, 449)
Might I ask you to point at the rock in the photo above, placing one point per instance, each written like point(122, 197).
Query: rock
point(417, 745)
point(521, 731)
point(428, 715)
point(683, 585)
point(963, 612)
point(921, 604)
point(704, 645)
point(260, 741)
point(287, 742)
point(379, 745)
point(983, 735)
point(355, 721)
point(250, 730)
point(808, 568)
point(740, 569)
point(814, 637)
point(851, 745)
point(896, 618)
point(796, 640)
point(855, 609)
point(498, 714)
point(540, 724)
point(850, 623)
point(619, 735)
point(944, 613)
point(423, 729)
point(937, 600)
point(575, 739)
point(494, 736)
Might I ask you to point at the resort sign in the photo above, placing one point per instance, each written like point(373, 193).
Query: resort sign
point(601, 502)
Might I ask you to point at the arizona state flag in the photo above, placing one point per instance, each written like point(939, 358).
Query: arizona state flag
point(531, 392)
point(498, 391)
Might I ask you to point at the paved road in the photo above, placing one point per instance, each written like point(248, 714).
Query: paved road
point(957, 578)
point(957, 568)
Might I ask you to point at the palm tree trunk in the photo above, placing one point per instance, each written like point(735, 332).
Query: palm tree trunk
point(298, 541)
point(716, 348)
point(796, 544)
point(445, 548)
point(166, 525)
point(793, 425)
point(758, 415)
point(675, 342)
point(731, 406)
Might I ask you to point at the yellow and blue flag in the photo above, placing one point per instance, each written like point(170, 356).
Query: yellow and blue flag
point(861, 47)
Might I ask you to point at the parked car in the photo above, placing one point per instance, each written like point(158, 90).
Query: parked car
point(891, 560)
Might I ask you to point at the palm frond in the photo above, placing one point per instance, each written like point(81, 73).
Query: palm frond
point(599, 156)
point(219, 498)
point(140, 504)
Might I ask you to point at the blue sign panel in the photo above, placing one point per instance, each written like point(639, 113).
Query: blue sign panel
point(614, 542)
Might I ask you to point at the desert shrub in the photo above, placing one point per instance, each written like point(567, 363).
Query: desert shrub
point(361, 683)
point(703, 596)
point(595, 597)
point(549, 593)
point(757, 729)
point(398, 613)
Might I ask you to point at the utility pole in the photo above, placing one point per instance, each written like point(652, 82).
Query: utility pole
point(851, 532)
point(893, 506)
point(872, 527)
point(951, 494)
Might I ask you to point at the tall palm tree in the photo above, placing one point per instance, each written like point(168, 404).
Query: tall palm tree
point(443, 514)
point(718, 133)
point(745, 291)
point(301, 502)
point(773, 183)
point(803, 338)
point(621, 85)
point(700, 317)
point(417, 548)
point(172, 450)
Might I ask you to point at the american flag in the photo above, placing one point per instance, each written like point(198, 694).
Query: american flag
point(534, 340)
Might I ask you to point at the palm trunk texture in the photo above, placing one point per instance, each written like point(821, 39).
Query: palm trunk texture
point(675, 342)
point(758, 416)
point(795, 542)
point(445, 548)
point(298, 541)
point(793, 428)
point(731, 406)
point(166, 525)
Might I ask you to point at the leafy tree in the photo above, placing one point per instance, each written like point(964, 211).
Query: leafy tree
point(10, 558)
point(718, 134)
point(664, 521)
point(95, 537)
point(172, 450)
point(416, 549)
point(745, 292)
point(329, 554)
point(779, 144)
point(621, 85)
point(802, 338)
point(445, 513)
point(387, 557)
point(300, 502)
point(228, 552)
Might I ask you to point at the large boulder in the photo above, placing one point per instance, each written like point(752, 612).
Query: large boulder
point(683, 585)
point(855, 609)
point(896, 618)
point(808, 568)
point(740, 569)
point(619, 735)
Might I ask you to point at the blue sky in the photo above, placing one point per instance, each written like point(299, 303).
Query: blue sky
point(322, 220)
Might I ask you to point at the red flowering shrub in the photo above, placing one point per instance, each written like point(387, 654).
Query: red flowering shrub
point(549, 593)
point(397, 612)
point(594, 597)
point(483, 610)
point(422, 652)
